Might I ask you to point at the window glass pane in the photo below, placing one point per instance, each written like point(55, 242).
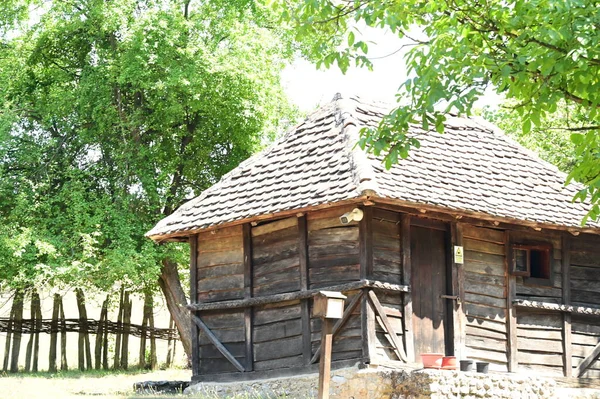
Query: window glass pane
point(520, 260)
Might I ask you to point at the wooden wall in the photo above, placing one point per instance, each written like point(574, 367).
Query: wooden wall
point(275, 259)
point(485, 296)
point(334, 258)
point(221, 277)
point(585, 290)
point(387, 267)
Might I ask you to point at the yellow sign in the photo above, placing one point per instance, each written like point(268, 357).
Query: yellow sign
point(459, 256)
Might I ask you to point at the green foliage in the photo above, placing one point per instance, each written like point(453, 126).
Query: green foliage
point(113, 114)
point(540, 54)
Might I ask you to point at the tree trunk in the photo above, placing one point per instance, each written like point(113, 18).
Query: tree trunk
point(38, 328)
point(142, 357)
point(32, 335)
point(153, 357)
point(18, 330)
point(99, 335)
point(85, 353)
point(170, 345)
point(126, 327)
point(117, 360)
point(53, 334)
point(8, 339)
point(105, 341)
point(63, 338)
point(176, 300)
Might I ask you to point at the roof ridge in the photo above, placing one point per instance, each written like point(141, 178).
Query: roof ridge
point(363, 174)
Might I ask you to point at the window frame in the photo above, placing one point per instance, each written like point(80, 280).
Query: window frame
point(527, 278)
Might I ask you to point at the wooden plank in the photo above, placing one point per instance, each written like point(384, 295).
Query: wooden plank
point(279, 364)
point(566, 300)
point(267, 316)
point(221, 258)
point(485, 300)
point(407, 311)
point(219, 270)
point(539, 333)
point(282, 329)
point(485, 343)
point(285, 347)
point(247, 238)
point(589, 244)
point(194, 300)
point(458, 289)
point(483, 247)
point(585, 273)
point(587, 258)
point(587, 362)
point(325, 363)
point(231, 282)
point(485, 312)
point(475, 279)
point(538, 291)
point(486, 355)
point(491, 325)
point(210, 244)
point(338, 235)
point(540, 345)
point(366, 243)
point(498, 292)
point(217, 343)
point(542, 359)
point(539, 320)
point(388, 327)
point(511, 319)
point(271, 227)
point(483, 234)
point(474, 265)
point(477, 331)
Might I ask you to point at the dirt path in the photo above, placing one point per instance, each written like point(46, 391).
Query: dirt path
point(82, 385)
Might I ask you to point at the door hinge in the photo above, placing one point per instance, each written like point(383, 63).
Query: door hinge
point(453, 297)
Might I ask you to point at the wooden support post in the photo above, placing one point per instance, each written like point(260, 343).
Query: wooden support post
point(566, 300)
point(249, 354)
point(458, 316)
point(407, 312)
point(53, 334)
point(18, 326)
point(325, 363)
point(366, 243)
point(367, 317)
point(304, 283)
point(194, 300)
point(215, 341)
point(511, 311)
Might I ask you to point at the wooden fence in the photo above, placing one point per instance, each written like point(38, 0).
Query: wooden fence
point(15, 326)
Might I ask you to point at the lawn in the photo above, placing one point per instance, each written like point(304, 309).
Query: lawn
point(93, 384)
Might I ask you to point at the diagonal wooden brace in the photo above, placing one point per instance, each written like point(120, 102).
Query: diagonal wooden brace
point(340, 323)
point(399, 348)
point(588, 361)
point(215, 341)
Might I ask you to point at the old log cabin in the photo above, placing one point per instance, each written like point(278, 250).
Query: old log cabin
point(268, 236)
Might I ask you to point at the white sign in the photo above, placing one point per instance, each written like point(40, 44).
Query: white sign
point(459, 255)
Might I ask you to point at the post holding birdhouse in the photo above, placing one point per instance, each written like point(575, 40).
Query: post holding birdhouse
point(328, 305)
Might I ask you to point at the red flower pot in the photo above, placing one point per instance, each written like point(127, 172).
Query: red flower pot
point(432, 360)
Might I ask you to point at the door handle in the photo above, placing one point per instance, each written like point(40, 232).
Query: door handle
point(453, 297)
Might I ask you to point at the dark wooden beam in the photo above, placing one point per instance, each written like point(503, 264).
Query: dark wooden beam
point(511, 312)
point(341, 322)
point(194, 301)
point(215, 341)
point(406, 280)
point(304, 284)
point(297, 295)
point(249, 354)
point(457, 277)
point(588, 361)
point(399, 349)
point(366, 243)
point(566, 291)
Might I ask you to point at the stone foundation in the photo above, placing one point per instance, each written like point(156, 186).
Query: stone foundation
point(352, 383)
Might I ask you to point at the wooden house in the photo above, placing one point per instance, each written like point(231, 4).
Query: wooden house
point(471, 246)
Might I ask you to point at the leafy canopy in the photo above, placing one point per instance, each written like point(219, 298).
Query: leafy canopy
point(541, 54)
point(112, 113)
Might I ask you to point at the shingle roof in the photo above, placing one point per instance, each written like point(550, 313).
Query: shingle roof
point(472, 167)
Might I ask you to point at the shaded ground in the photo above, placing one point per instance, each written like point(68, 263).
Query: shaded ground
point(101, 385)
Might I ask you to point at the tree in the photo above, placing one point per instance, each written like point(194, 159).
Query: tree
point(538, 53)
point(112, 114)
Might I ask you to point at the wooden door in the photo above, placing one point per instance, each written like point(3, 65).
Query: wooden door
point(429, 269)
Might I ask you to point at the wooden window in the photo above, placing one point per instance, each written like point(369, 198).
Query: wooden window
point(534, 262)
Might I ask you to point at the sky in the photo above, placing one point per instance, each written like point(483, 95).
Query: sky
point(308, 87)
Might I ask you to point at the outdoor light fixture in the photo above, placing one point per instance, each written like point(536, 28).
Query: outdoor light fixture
point(354, 215)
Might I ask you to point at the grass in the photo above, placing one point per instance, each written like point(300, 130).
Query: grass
point(98, 384)
point(90, 384)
